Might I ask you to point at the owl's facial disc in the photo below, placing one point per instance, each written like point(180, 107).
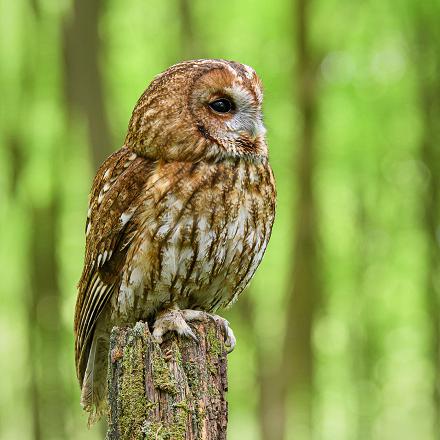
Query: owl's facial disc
point(227, 110)
point(246, 118)
point(237, 111)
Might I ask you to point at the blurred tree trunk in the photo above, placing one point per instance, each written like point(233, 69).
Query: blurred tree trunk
point(83, 80)
point(43, 305)
point(45, 325)
point(363, 348)
point(16, 162)
point(427, 61)
point(267, 372)
point(305, 286)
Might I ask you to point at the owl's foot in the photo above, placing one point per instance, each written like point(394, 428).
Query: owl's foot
point(177, 320)
point(172, 320)
point(230, 340)
point(198, 315)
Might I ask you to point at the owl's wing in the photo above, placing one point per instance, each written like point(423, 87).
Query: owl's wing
point(111, 225)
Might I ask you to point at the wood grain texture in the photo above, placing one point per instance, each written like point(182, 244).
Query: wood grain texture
point(175, 391)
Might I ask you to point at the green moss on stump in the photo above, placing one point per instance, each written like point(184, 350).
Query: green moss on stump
point(132, 392)
point(173, 431)
point(214, 345)
point(162, 378)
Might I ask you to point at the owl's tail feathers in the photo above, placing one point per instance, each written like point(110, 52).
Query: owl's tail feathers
point(94, 386)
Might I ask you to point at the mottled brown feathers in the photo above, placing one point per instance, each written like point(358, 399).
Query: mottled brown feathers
point(181, 215)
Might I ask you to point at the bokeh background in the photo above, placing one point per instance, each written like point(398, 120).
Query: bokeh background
point(339, 332)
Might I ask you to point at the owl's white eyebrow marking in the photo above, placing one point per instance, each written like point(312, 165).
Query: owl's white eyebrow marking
point(241, 95)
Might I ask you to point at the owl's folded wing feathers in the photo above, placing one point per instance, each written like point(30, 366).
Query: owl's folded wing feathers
point(111, 225)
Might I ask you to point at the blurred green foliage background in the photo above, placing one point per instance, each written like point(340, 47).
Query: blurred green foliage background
point(339, 333)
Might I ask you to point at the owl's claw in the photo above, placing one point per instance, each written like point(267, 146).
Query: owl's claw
point(198, 315)
point(230, 340)
point(172, 320)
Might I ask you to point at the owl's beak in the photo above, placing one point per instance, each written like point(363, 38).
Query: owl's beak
point(258, 130)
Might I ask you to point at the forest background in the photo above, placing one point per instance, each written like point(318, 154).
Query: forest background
point(339, 332)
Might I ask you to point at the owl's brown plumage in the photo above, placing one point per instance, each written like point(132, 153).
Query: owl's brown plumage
point(180, 216)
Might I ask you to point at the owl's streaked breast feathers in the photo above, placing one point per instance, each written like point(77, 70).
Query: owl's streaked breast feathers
point(182, 214)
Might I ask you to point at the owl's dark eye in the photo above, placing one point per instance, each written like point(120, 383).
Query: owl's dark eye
point(222, 105)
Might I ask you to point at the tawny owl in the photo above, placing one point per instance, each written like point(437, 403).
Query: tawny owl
point(179, 218)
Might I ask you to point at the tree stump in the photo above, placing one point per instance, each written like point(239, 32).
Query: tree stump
point(173, 391)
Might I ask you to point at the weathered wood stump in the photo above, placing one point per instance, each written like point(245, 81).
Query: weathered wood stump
point(173, 391)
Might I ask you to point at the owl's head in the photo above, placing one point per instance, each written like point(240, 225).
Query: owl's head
point(201, 109)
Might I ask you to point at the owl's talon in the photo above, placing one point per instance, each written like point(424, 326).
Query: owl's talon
point(190, 334)
point(230, 340)
point(172, 320)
